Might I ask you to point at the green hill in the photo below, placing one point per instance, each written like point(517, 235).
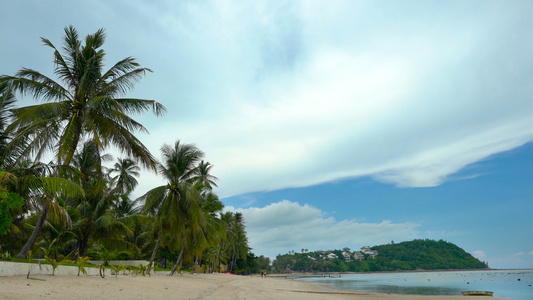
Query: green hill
point(425, 254)
point(413, 255)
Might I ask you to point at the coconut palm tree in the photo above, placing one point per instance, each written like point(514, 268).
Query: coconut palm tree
point(202, 229)
point(236, 244)
point(169, 204)
point(204, 175)
point(88, 105)
point(97, 221)
point(8, 151)
point(123, 183)
point(126, 169)
point(7, 102)
point(41, 192)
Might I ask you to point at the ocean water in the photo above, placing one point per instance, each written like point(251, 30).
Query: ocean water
point(512, 284)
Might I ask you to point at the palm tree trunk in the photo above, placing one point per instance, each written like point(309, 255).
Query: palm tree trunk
point(178, 262)
point(35, 234)
point(233, 260)
point(217, 260)
point(152, 258)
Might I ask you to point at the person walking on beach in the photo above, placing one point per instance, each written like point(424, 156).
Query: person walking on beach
point(262, 274)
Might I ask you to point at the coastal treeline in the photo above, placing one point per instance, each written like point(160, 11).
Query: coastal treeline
point(412, 255)
point(62, 193)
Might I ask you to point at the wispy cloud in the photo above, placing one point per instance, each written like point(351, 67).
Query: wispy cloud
point(479, 255)
point(293, 93)
point(292, 100)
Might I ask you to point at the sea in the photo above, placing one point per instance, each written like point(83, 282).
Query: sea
point(511, 284)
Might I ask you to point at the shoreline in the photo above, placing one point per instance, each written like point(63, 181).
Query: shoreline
point(186, 286)
point(397, 271)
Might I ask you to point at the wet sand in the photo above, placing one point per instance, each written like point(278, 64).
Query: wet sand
point(187, 286)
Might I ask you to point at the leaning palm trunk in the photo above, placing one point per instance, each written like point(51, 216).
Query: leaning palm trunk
point(179, 261)
point(152, 258)
point(35, 234)
point(217, 260)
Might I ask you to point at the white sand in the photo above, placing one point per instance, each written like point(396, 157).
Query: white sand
point(188, 286)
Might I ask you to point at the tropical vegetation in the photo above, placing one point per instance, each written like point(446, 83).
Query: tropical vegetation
point(412, 255)
point(63, 197)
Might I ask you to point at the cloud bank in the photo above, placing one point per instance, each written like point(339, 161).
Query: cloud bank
point(284, 226)
point(296, 94)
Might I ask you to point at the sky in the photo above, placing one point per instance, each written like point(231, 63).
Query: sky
point(330, 124)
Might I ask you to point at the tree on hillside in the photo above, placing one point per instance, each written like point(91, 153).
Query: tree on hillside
point(88, 105)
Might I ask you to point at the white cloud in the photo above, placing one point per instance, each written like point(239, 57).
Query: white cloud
point(479, 255)
point(512, 261)
point(410, 105)
point(291, 94)
point(283, 226)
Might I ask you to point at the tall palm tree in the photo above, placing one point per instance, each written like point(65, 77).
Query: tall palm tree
point(125, 181)
point(97, 222)
point(88, 105)
point(7, 102)
point(7, 151)
point(204, 175)
point(236, 244)
point(169, 204)
point(202, 229)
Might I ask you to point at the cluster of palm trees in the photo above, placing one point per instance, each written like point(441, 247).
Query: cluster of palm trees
point(75, 202)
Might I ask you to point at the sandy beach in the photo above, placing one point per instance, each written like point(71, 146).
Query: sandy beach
point(187, 286)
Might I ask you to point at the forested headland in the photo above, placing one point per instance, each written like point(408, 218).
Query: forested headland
point(411, 255)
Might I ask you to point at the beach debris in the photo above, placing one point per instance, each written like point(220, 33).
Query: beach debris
point(477, 293)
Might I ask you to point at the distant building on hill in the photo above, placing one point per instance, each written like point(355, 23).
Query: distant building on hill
point(332, 255)
point(347, 256)
point(357, 255)
point(367, 250)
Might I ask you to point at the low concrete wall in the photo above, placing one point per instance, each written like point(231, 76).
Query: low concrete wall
point(8, 268)
point(132, 263)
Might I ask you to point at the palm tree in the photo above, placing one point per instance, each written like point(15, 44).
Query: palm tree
point(236, 244)
point(87, 106)
point(97, 221)
point(169, 204)
point(41, 192)
point(7, 102)
point(204, 175)
point(8, 151)
point(125, 181)
point(202, 229)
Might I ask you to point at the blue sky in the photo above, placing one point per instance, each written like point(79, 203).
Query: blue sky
point(485, 208)
point(331, 124)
